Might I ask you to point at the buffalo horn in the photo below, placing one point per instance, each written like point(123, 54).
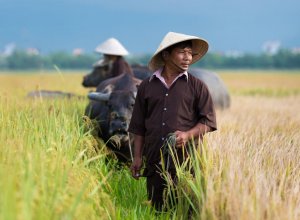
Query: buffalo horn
point(98, 96)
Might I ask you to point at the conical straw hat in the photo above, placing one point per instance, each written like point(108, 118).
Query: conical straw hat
point(112, 47)
point(200, 47)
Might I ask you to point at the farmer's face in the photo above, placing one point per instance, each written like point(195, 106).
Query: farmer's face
point(182, 57)
point(110, 57)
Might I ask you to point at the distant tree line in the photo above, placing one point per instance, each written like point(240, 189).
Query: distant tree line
point(20, 60)
point(283, 59)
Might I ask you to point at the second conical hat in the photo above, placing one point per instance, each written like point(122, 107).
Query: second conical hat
point(112, 47)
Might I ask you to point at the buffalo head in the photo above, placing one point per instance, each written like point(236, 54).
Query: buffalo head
point(98, 74)
point(119, 106)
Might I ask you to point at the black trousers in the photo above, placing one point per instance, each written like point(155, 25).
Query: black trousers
point(156, 185)
point(156, 189)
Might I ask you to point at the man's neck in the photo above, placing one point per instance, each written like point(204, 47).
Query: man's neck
point(170, 73)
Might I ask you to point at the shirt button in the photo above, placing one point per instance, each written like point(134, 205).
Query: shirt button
point(162, 138)
point(167, 94)
point(165, 109)
point(163, 124)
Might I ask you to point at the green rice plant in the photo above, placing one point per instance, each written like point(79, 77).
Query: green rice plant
point(49, 167)
point(131, 198)
point(186, 193)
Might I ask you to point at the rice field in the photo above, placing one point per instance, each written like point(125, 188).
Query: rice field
point(51, 166)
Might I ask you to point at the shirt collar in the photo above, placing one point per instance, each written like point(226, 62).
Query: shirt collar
point(158, 72)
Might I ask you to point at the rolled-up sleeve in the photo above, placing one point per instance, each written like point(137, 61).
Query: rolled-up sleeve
point(205, 108)
point(137, 122)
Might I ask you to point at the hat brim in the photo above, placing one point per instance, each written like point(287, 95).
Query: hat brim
point(200, 48)
point(112, 47)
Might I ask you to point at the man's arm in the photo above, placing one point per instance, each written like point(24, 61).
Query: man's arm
point(197, 131)
point(138, 154)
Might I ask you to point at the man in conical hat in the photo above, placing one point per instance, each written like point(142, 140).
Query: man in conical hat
point(113, 52)
point(171, 101)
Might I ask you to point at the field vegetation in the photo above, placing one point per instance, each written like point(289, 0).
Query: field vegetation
point(51, 166)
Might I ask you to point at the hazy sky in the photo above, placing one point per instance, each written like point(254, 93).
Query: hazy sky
point(52, 25)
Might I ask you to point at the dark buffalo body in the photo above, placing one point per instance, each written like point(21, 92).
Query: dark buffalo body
point(217, 88)
point(113, 112)
point(101, 73)
point(51, 94)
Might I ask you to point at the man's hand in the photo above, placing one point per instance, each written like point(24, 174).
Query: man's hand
point(136, 167)
point(181, 138)
point(197, 131)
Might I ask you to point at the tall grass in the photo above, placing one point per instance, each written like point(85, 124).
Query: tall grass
point(250, 169)
point(51, 167)
point(45, 170)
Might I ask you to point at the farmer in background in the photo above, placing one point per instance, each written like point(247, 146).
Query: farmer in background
point(113, 52)
point(169, 101)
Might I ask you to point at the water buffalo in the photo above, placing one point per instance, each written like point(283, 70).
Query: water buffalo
point(215, 85)
point(51, 94)
point(112, 108)
point(217, 88)
point(101, 73)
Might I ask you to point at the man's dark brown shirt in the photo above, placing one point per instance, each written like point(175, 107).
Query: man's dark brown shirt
point(159, 111)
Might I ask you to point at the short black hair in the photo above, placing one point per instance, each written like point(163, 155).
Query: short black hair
point(182, 45)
